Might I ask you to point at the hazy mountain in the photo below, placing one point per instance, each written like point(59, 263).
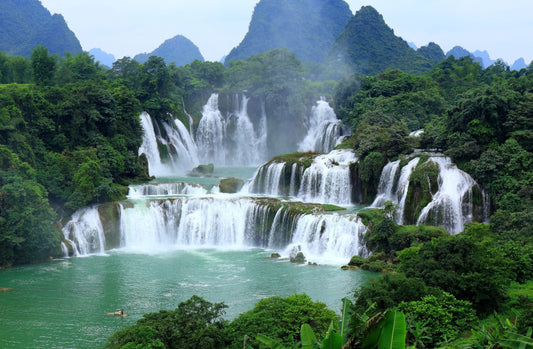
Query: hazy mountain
point(25, 24)
point(103, 57)
point(306, 28)
point(412, 45)
point(520, 63)
point(178, 50)
point(432, 51)
point(369, 46)
point(458, 52)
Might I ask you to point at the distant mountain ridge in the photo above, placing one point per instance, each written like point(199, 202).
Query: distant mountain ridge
point(368, 45)
point(306, 28)
point(103, 57)
point(25, 24)
point(178, 50)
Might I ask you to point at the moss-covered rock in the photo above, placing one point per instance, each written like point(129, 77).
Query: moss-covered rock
point(299, 258)
point(110, 217)
point(231, 185)
point(423, 184)
point(203, 171)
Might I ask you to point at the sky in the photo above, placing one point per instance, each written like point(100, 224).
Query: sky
point(128, 27)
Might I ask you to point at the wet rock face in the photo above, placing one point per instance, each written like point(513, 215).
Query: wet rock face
point(231, 185)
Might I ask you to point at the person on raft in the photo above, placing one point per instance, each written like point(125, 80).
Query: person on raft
point(120, 312)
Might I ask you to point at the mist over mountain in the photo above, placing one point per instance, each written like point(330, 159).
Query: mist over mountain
point(178, 50)
point(367, 45)
point(307, 28)
point(25, 24)
point(103, 57)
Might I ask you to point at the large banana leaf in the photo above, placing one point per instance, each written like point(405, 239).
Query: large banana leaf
point(393, 331)
point(307, 337)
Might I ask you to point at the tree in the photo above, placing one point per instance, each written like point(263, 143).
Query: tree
point(43, 65)
point(195, 323)
point(280, 318)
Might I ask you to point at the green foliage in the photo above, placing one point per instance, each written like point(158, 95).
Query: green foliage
point(27, 231)
point(195, 323)
point(43, 65)
point(444, 316)
point(280, 318)
point(458, 265)
point(388, 290)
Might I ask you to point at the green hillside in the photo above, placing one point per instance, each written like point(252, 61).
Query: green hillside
point(368, 46)
point(25, 24)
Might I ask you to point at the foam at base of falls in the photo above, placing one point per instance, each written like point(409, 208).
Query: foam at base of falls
point(165, 189)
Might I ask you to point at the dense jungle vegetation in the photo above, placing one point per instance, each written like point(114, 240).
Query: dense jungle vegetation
point(69, 134)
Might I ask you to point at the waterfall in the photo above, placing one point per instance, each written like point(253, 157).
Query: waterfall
point(449, 207)
point(149, 145)
point(84, 232)
point(155, 225)
point(181, 152)
point(231, 139)
point(327, 237)
point(328, 179)
point(210, 133)
point(324, 129)
point(386, 186)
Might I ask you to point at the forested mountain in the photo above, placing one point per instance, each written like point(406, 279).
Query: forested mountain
point(368, 46)
point(25, 24)
point(432, 52)
point(178, 50)
point(307, 28)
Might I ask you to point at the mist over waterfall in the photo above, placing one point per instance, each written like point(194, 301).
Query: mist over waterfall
point(210, 133)
point(324, 130)
point(232, 139)
point(457, 199)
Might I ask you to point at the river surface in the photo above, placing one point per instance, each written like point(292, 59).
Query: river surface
point(63, 304)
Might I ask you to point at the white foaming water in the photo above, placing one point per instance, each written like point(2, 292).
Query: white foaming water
point(451, 206)
point(328, 180)
point(447, 207)
point(324, 129)
point(386, 184)
point(153, 226)
point(186, 156)
point(149, 145)
point(182, 152)
point(249, 147)
point(210, 134)
point(327, 238)
point(84, 232)
point(165, 189)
